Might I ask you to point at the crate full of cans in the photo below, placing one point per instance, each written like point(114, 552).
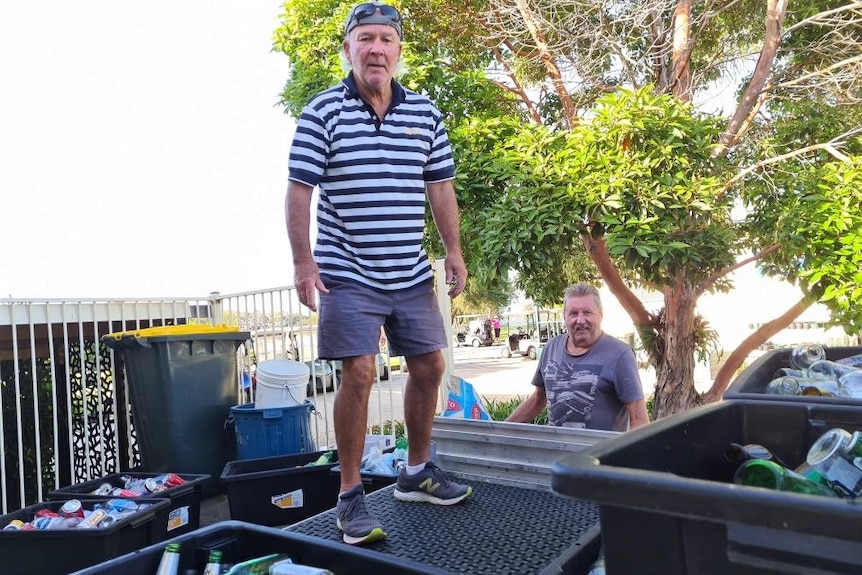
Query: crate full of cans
point(57, 537)
point(181, 489)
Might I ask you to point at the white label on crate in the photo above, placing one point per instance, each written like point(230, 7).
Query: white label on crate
point(178, 517)
point(288, 500)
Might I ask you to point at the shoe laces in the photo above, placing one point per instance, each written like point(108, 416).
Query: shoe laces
point(439, 474)
point(354, 505)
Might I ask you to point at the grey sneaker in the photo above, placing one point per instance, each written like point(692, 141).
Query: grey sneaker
point(357, 524)
point(431, 485)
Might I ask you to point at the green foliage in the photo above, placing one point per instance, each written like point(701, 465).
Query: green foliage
point(816, 219)
point(501, 409)
point(640, 173)
point(389, 427)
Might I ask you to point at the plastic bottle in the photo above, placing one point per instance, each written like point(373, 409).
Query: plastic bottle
point(851, 384)
point(788, 372)
point(213, 566)
point(288, 567)
point(598, 566)
point(768, 474)
point(256, 566)
point(826, 369)
point(324, 459)
point(804, 355)
point(170, 563)
point(837, 454)
point(739, 453)
point(854, 360)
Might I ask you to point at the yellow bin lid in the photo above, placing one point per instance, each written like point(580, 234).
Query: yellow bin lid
point(175, 330)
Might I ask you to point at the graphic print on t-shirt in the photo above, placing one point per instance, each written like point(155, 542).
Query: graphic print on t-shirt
point(571, 391)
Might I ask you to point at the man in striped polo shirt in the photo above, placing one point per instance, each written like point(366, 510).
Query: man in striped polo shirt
point(375, 151)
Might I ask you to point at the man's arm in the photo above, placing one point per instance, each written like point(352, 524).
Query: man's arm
point(297, 204)
point(531, 407)
point(638, 416)
point(444, 208)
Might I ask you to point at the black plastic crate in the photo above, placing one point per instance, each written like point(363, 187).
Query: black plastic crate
point(370, 481)
point(60, 551)
point(752, 382)
point(668, 505)
point(240, 541)
point(279, 490)
point(184, 513)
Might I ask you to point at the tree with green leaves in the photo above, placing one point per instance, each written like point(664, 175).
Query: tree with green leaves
point(583, 151)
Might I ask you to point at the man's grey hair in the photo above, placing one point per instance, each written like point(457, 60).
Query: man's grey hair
point(581, 290)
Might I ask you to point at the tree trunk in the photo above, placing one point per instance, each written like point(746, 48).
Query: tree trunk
point(674, 391)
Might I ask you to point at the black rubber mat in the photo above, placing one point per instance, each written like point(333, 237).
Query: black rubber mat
point(498, 530)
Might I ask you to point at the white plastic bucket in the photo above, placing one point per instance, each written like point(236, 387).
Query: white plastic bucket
point(280, 383)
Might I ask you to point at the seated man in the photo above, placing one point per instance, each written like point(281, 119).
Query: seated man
point(586, 378)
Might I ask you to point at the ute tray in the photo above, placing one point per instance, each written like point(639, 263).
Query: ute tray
point(499, 530)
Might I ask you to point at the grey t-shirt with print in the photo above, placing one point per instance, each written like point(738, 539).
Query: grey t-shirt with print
point(589, 390)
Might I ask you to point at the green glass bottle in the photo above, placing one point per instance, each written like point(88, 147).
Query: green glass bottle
point(213, 566)
point(170, 563)
point(739, 453)
point(768, 474)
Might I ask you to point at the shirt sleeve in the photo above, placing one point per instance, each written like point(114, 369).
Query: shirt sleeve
point(627, 381)
point(307, 160)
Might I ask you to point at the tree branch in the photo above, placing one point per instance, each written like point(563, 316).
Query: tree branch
point(570, 114)
point(598, 252)
point(827, 146)
point(760, 336)
point(775, 12)
point(708, 282)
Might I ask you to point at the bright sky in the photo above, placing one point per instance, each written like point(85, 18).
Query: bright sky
point(141, 150)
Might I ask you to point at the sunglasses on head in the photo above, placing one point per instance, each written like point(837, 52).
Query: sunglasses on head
point(362, 11)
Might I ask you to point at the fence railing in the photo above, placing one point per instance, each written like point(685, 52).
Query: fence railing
point(65, 416)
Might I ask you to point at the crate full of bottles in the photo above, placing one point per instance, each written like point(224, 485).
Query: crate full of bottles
point(803, 373)
point(740, 486)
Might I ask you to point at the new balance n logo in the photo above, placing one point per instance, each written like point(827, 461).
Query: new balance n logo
point(429, 485)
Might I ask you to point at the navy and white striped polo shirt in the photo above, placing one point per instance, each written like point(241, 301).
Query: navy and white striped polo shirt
point(371, 177)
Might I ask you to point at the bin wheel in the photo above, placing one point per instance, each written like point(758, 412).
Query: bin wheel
point(531, 353)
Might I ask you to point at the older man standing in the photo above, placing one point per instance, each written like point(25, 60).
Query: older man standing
point(587, 378)
point(376, 151)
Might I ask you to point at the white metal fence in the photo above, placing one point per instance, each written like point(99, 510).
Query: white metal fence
point(65, 416)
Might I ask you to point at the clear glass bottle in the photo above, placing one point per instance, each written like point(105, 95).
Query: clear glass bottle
point(768, 474)
point(803, 386)
point(837, 455)
point(170, 563)
point(786, 385)
point(804, 355)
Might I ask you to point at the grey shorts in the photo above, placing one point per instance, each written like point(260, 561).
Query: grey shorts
point(351, 314)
